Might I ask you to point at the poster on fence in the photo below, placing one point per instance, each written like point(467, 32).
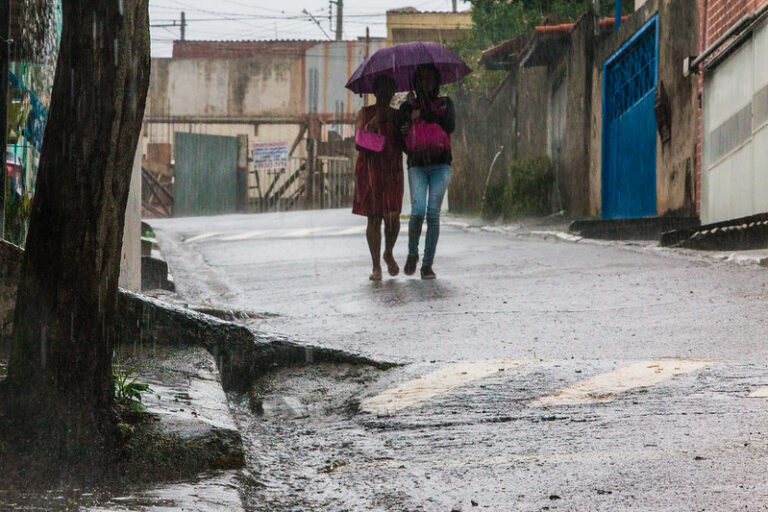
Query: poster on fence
point(270, 156)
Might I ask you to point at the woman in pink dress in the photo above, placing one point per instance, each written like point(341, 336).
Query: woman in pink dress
point(379, 177)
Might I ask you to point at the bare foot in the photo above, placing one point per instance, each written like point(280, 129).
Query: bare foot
point(375, 275)
point(392, 267)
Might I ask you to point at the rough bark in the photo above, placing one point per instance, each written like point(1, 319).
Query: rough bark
point(58, 393)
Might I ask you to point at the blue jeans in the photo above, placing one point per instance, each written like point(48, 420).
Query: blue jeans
point(428, 185)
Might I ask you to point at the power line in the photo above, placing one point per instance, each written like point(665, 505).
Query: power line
point(316, 22)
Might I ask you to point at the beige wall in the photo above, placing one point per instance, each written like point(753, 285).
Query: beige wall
point(427, 26)
point(267, 85)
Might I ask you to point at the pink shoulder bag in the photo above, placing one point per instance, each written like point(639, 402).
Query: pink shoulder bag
point(369, 140)
point(426, 139)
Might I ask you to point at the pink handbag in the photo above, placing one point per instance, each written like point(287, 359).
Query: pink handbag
point(369, 140)
point(427, 139)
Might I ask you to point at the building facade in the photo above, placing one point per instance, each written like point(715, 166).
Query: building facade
point(409, 24)
point(733, 120)
point(610, 108)
point(276, 95)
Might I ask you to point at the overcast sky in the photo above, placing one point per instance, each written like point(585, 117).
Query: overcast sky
point(272, 19)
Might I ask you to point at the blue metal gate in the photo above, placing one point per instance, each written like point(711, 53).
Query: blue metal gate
point(629, 127)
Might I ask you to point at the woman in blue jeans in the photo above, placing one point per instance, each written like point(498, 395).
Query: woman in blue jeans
point(426, 121)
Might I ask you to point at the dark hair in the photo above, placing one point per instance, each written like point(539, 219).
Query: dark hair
point(417, 80)
point(383, 78)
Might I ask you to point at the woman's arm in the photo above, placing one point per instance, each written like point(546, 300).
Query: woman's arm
point(448, 119)
point(359, 127)
point(403, 122)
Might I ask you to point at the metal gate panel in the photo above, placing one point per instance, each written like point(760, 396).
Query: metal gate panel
point(629, 127)
point(205, 181)
point(735, 139)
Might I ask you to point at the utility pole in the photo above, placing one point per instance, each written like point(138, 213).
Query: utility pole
point(596, 8)
point(183, 26)
point(339, 19)
point(455, 7)
point(5, 58)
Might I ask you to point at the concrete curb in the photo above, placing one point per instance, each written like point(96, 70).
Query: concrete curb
point(241, 354)
point(758, 258)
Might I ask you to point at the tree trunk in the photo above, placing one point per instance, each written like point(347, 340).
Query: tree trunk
point(58, 393)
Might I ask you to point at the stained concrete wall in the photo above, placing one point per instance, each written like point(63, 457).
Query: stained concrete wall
point(515, 118)
point(579, 61)
point(518, 116)
point(264, 85)
point(331, 64)
point(406, 25)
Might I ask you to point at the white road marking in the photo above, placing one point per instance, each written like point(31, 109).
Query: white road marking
point(605, 387)
point(245, 235)
point(759, 393)
point(296, 233)
point(349, 231)
point(436, 383)
point(290, 233)
point(202, 236)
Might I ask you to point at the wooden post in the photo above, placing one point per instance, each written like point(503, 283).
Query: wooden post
point(314, 135)
point(309, 189)
point(242, 173)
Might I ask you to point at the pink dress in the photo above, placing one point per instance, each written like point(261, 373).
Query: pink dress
point(379, 176)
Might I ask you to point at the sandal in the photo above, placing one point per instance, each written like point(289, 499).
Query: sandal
point(392, 267)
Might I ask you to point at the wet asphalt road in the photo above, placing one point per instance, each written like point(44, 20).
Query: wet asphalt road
point(575, 320)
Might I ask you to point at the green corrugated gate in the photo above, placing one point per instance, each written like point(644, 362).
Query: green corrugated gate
point(205, 180)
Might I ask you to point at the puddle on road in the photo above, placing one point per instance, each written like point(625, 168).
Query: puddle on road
point(299, 428)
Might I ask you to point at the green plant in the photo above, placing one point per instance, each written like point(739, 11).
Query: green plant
point(17, 217)
point(530, 187)
point(128, 391)
point(494, 206)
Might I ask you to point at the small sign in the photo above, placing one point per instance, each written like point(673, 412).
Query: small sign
point(270, 156)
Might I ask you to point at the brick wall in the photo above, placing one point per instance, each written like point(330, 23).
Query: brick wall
point(715, 18)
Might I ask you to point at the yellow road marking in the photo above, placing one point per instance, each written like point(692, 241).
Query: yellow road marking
point(759, 393)
point(605, 387)
point(436, 383)
point(202, 236)
point(301, 232)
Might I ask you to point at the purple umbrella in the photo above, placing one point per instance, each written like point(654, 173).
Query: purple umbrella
point(401, 61)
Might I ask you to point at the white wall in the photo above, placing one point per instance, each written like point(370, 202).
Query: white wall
point(130, 259)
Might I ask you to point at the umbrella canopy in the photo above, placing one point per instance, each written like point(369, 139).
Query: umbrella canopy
point(401, 61)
